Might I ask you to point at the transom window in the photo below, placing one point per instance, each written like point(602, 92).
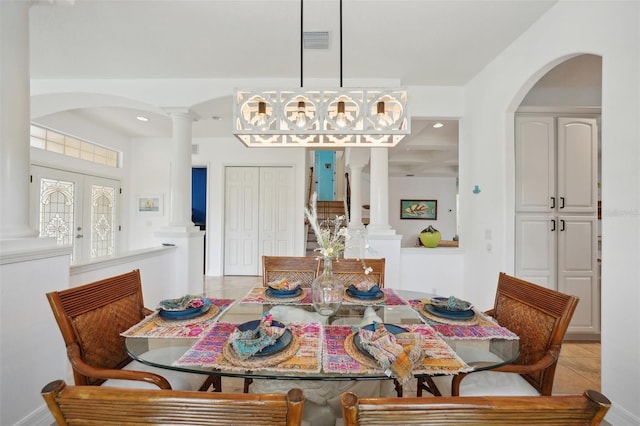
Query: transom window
point(60, 143)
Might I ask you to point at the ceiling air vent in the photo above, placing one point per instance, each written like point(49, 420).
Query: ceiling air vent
point(316, 39)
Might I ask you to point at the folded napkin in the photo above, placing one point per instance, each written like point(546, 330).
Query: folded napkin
point(451, 303)
point(185, 302)
point(396, 358)
point(250, 342)
point(364, 286)
point(284, 284)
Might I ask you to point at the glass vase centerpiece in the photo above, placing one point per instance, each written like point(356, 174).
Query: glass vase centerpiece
point(327, 291)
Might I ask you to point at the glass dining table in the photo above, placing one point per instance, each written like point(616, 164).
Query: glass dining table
point(323, 351)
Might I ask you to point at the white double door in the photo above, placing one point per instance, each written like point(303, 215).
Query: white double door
point(258, 217)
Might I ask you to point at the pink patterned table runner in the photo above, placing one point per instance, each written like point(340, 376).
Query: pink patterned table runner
point(484, 329)
point(156, 326)
point(439, 359)
point(208, 352)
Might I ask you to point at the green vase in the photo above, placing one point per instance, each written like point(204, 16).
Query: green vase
point(430, 237)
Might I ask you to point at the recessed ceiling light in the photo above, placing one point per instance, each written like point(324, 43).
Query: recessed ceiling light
point(438, 125)
point(142, 118)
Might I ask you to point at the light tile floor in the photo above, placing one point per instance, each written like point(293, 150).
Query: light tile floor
point(578, 368)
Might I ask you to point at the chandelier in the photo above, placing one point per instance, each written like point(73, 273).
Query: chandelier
point(338, 117)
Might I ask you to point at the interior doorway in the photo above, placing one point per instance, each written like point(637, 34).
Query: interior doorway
point(325, 175)
point(199, 204)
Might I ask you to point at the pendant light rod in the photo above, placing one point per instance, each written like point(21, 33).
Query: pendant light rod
point(301, 39)
point(340, 43)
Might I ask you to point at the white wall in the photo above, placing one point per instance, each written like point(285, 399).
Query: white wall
point(609, 29)
point(32, 350)
point(427, 188)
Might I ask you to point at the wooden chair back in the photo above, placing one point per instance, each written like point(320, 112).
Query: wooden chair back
point(91, 318)
point(294, 268)
point(563, 410)
point(91, 405)
point(350, 270)
point(540, 317)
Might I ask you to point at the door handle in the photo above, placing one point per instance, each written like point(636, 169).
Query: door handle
point(553, 225)
point(553, 202)
point(561, 225)
point(562, 202)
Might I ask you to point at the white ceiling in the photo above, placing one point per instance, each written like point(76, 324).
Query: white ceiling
point(413, 42)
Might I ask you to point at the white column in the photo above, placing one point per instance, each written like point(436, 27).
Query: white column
point(355, 179)
point(379, 213)
point(14, 121)
point(180, 195)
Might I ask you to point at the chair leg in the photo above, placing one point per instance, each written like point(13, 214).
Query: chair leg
point(398, 387)
point(212, 381)
point(427, 384)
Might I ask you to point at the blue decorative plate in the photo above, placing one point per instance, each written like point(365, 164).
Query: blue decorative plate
point(186, 313)
point(452, 315)
point(393, 329)
point(281, 343)
point(365, 295)
point(442, 304)
point(285, 294)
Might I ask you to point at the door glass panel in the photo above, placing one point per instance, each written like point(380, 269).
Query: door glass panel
point(56, 210)
point(102, 220)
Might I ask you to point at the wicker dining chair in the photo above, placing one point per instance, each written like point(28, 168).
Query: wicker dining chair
point(540, 317)
point(561, 410)
point(350, 270)
point(293, 268)
point(91, 405)
point(91, 318)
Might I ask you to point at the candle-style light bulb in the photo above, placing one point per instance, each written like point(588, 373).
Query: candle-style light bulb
point(382, 115)
point(341, 119)
point(262, 114)
point(301, 120)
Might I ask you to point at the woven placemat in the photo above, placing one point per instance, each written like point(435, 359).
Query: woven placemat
point(257, 362)
point(351, 299)
point(284, 299)
point(211, 312)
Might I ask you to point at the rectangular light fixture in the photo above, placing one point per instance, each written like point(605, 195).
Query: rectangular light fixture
point(344, 117)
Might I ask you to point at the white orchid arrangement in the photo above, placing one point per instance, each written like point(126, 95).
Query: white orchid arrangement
point(332, 234)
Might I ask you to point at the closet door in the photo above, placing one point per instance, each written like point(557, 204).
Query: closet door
point(276, 211)
point(259, 217)
point(241, 219)
point(536, 248)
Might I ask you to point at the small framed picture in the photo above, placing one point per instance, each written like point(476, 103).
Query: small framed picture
point(419, 209)
point(150, 205)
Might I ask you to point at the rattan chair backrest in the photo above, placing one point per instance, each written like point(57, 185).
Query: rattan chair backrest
point(293, 268)
point(587, 409)
point(540, 317)
point(350, 270)
point(106, 406)
point(92, 316)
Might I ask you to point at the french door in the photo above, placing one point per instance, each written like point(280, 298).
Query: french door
point(76, 209)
